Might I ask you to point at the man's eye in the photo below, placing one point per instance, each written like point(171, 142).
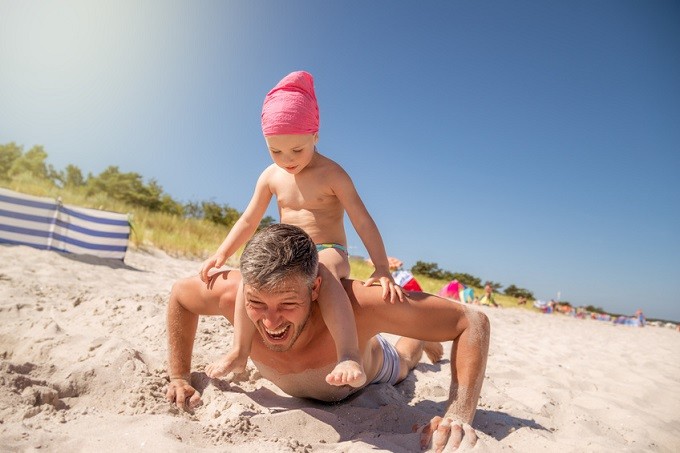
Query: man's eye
point(275, 151)
point(297, 150)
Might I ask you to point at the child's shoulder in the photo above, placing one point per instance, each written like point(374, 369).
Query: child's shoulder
point(328, 164)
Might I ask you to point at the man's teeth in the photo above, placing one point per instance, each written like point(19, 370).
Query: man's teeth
point(276, 333)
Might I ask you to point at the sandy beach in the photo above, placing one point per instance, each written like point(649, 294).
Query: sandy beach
point(83, 368)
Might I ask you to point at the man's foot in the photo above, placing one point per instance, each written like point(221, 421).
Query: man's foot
point(434, 350)
point(226, 364)
point(347, 372)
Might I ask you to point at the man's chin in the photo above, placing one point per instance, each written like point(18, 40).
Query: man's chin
point(277, 347)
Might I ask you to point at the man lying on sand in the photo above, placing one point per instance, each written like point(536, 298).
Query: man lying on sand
point(280, 269)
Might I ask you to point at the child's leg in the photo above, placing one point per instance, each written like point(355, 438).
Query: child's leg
point(244, 331)
point(337, 313)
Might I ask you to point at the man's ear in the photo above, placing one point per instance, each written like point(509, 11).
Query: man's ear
point(316, 287)
point(316, 138)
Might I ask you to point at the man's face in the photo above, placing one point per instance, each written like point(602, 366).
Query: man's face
point(280, 316)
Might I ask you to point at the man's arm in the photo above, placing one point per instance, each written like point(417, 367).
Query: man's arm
point(189, 299)
point(431, 318)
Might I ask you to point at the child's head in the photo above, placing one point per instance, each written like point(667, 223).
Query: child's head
point(290, 108)
point(290, 121)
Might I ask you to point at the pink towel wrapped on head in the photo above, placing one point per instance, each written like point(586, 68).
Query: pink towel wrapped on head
point(290, 108)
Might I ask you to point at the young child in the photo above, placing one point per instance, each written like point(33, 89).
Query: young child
point(313, 193)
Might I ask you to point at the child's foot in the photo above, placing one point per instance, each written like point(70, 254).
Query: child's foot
point(347, 372)
point(226, 364)
point(434, 350)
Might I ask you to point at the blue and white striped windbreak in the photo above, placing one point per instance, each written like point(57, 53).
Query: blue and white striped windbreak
point(50, 225)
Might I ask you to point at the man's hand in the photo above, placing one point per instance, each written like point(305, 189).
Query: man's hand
point(391, 291)
point(183, 394)
point(444, 435)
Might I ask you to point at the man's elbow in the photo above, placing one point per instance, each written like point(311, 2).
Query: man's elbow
point(479, 325)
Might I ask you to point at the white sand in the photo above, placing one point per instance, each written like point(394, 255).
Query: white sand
point(83, 353)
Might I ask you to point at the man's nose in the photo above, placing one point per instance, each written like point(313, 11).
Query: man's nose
point(272, 319)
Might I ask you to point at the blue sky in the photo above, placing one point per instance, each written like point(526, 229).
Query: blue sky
point(533, 143)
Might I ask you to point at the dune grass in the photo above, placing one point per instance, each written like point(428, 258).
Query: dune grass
point(177, 236)
point(187, 238)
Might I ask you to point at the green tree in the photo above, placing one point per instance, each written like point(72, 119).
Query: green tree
point(171, 206)
point(467, 279)
point(219, 214)
point(514, 291)
point(265, 222)
point(427, 269)
point(127, 187)
point(31, 162)
point(193, 210)
point(9, 153)
point(72, 177)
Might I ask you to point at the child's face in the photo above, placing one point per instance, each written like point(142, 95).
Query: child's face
point(292, 152)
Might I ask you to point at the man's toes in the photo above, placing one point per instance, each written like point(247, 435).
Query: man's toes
point(434, 351)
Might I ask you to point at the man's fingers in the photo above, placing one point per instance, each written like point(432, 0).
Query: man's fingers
point(170, 394)
point(455, 437)
point(447, 435)
point(180, 397)
point(427, 430)
point(470, 436)
point(194, 401)
point(441, 435)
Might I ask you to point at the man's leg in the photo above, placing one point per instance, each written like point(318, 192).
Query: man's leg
point(411, 351)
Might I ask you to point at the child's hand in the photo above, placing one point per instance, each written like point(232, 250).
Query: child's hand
point(215, 261)
point(389, 287)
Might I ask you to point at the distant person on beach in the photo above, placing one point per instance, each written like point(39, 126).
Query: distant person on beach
point(280, 279)
point(312, 192)
point(487, 298)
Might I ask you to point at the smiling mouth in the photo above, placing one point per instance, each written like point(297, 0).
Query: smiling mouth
point(278, 334)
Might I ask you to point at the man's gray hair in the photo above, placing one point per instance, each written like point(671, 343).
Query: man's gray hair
point(276, 254)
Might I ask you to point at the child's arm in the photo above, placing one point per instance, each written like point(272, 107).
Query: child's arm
point(244, 227)
point(363, 223)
